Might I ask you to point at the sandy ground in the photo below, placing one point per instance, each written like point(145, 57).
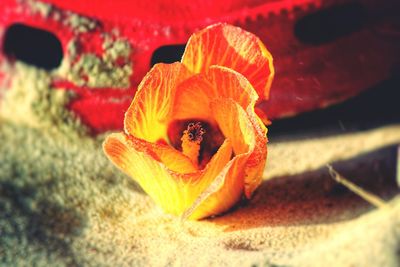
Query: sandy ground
point(63, 204)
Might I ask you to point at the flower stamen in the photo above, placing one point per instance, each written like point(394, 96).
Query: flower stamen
point(191, 140)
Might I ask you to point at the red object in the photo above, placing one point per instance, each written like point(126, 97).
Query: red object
point(324, 51)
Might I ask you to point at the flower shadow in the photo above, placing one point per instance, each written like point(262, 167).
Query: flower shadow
point(314, 197)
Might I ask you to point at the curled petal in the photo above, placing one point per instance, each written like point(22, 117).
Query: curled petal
point(255, 165)
point(215, 168)
point(225, 190)
point(148, 115)
point(243, 173)
point(232, 47)
point(174, 192)
point(228, 186)
point(171, 158)
point(234, 124)
point(257, 160)
point(162, 185)
point(194, 98)
point(194, 95)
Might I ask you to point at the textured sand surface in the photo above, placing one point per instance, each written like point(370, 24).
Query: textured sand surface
point(63, 204)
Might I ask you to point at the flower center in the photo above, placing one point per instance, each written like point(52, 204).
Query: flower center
point(191, 140)
point(205, 145)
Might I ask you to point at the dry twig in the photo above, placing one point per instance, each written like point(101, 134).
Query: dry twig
point(367, 196)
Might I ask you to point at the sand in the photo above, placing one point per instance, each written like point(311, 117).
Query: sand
point(62, 203)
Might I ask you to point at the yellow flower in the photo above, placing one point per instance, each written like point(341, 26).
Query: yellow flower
point(192, 139)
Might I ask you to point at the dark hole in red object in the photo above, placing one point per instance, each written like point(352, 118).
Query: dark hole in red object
point(168, 54)
point(329, 24)
point(33, 46)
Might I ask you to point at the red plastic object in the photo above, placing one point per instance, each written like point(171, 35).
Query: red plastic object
point(313, 67)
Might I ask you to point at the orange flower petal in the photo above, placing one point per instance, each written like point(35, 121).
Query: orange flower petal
point(255, 165)
point(173, 159)
point(248, 135)
point(213, 169)
point(153, 176)
point(148, 115)
point(194, 95)
point(174, 192)
point(257, 160)
point(241, 174)
point(232, 47)
point(234, 124)
point(218, 82)
point(244, 172)
point(223, 192)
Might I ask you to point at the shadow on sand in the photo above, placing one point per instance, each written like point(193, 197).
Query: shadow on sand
point(313, 197)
